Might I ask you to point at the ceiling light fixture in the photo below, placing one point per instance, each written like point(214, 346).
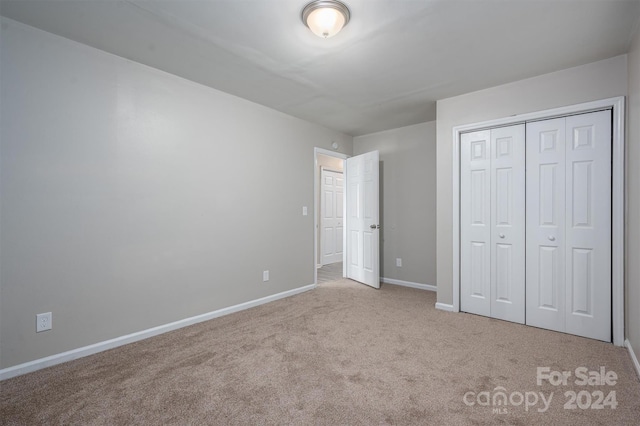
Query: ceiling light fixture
point(325, 18)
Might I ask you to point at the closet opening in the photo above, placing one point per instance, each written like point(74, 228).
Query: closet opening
point(551, 225)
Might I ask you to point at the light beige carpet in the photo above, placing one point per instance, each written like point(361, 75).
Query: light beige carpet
point(340, 354)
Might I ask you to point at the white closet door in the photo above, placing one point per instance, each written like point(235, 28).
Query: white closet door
point(569, 225)
point(545, 287)
point(588, 225)
point(475, 223)
point(508, 223)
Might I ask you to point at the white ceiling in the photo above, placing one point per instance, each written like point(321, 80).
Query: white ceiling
point(386, 68)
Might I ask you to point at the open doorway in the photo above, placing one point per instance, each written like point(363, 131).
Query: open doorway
point(329, 203)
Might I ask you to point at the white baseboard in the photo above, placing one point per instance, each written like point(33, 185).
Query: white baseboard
point(627, 343)
point(409, 284)
point(444, 307)
point(49, 361)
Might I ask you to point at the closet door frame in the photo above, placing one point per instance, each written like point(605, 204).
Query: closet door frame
point(617, 193)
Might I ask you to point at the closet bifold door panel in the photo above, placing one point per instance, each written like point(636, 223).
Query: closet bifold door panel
point(545, 223)
point(492, 213)
point(475, 226)
point(508, 223)
point(568, 257)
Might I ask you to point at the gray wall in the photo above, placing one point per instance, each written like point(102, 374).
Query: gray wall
point(633, 198)
point(133, 198)
point(408, 200)
point(598, 80)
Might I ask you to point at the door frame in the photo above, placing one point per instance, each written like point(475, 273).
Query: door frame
point(617, 105)
point(316, 194)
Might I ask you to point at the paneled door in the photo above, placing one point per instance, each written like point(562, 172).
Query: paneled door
point(492, 205)
point(545, 224)
point(475, 222)
point(508, 223)
point(569, 224)
point(331, 219)
point(362, 182)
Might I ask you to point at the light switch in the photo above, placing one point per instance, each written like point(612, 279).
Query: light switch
point(304, 211)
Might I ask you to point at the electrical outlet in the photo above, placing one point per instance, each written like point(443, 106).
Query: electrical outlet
point(44, 322)
point(265, 276)
point(399, 262)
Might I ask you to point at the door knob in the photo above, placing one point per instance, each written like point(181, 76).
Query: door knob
point(552, 238)
point(374, 226)
point(501, 235)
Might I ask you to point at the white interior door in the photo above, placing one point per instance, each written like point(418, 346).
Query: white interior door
point(569, 224)
point(363, 235)
point(492, 202)
point(588, 225)
point(545, 224)
point(508, 223)
point(331, 220)
point(475, 222)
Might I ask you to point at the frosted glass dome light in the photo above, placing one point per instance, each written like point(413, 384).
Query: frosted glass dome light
point(325, 18)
